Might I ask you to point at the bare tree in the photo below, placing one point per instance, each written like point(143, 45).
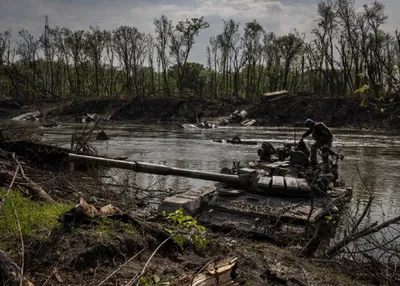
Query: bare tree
point(163, 29)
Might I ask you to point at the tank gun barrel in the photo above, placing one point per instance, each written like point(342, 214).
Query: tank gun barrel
point(142, 167)
point(276, 185)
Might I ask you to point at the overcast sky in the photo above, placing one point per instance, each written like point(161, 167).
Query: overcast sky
point(274, 15)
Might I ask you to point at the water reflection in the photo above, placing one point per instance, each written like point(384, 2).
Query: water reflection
point(375, 153)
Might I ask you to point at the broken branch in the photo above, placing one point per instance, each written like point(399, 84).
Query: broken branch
point(333, 251)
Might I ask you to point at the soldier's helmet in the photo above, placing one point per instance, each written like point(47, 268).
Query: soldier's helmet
point(309, 123)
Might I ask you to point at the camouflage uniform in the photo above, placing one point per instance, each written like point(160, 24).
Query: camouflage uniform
point(323, 140)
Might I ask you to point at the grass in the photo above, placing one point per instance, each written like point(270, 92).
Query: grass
point(105, 230)
point(36, 219)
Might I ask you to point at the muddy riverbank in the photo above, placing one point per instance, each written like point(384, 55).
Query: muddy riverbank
point(88, 253)
point(287, 110)
point(58, 242)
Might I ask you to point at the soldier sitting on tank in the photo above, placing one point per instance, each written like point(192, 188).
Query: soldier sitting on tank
point(323, 140)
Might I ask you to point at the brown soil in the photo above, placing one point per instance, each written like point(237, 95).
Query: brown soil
point(286, 111)
point(86, 255)
point(293, 110)
point(175, 109)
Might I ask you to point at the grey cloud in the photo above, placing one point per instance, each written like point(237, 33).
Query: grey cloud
point(279, 16)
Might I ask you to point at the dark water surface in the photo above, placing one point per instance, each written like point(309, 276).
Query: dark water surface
point(375, 154)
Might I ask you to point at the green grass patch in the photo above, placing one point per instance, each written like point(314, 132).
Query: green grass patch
point(105, 230)
point(36, 219)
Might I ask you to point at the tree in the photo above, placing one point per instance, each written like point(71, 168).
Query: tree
point(94, 47)
point(163, 29)
point(75, 44)
point(194, 80)
point(290, 45)
point(182, 40)
point(129, 45)
point(227, 40)
point(253, 33)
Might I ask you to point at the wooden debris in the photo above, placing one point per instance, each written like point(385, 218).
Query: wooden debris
point(215, 273)
point(248, 122)
point(85, 213)
point(34, 189)
point(10, 272)
point(85, 210)
point(27, 116)
point(272, 96)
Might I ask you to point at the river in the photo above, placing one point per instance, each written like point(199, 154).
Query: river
point(374, 155)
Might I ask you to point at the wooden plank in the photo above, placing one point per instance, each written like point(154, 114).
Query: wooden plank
point(303, 185)
point(264, 183)
point(216, 273)
point(291, 184)
point(278, 182)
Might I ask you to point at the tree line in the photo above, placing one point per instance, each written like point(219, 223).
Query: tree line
point(347, 53)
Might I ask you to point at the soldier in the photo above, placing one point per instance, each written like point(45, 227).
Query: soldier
point(323, 140)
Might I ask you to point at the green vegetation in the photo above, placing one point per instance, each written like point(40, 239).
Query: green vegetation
point(36, 219)
point(185, 228)
point(152, 281)
point(347, 50)
point(104, 230)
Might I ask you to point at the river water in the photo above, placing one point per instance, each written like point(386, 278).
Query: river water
point(371, 155)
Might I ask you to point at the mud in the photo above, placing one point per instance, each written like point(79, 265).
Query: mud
point(40, 155)
point(176, 109)
point(83, 257)
point(336, 112)
point(87, 251)
point(288, 110)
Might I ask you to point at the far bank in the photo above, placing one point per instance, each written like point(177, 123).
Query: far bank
point(283, 110)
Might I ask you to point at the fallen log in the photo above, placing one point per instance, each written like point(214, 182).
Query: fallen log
point(334, 250)
point(215, 273)
point(34, 189)
point(10, 272)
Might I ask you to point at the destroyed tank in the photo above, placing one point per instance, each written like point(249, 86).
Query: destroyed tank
point(281, 197)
